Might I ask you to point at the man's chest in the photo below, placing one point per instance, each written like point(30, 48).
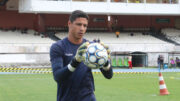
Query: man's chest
point(69, 53)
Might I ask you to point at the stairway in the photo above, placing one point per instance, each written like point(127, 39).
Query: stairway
point(163, 37)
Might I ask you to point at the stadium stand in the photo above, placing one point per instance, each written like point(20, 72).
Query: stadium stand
point(172, 34)
point(35, 48)
point(9, 37)
point(109, 37)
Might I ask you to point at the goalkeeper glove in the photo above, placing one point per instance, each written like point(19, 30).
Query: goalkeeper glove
point(107, 48)
point(81, 50)
point(78, 57)
point(107, 64)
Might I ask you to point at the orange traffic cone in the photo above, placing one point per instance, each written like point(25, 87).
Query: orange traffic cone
point(163, 89)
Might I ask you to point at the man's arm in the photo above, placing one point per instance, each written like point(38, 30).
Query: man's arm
point(107, 70)
point(60, 73)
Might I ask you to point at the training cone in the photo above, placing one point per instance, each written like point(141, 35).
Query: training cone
point(162, 85)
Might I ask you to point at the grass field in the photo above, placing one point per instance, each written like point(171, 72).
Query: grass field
point(122, 87)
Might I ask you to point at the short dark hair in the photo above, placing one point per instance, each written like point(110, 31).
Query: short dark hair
point(78, 14)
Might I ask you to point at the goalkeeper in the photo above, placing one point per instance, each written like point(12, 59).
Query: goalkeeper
point(74, 80)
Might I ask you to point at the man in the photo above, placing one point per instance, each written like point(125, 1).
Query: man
point(130, 62)
point(160, 61)
point(74, 79)
point(117, 33)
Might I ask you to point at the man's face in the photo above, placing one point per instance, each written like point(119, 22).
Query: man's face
point(78, 27)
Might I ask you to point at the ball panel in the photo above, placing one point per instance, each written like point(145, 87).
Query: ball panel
point(92, 58)
point(101, 53)
point(99, 46)
point(91, 49)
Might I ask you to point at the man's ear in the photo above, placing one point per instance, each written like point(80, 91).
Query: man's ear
point(69, 23)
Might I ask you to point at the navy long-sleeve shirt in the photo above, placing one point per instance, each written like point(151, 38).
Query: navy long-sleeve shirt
point(72, 86)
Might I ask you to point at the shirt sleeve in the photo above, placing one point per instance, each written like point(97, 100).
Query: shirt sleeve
point(107, 74)
point(60, 73)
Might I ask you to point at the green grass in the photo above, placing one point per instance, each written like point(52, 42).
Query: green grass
point(26, 87)
point(122, 87)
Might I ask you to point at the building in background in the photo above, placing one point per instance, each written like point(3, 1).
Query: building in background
point(155, 25)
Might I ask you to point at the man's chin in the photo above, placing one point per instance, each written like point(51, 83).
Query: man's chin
point(80, 36)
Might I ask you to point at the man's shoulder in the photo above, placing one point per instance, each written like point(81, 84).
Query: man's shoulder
point(58, 45)
point(60, 42)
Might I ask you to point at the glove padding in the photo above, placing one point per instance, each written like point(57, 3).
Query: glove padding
point(81, 50)
point(107, 65)
point(107, 48)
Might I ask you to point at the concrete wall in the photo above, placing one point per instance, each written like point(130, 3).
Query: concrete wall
point(24, 48)
point(152, 58)
point(36, 58)
point(142, 47)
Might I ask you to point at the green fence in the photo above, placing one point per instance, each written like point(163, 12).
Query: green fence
point(120, 62)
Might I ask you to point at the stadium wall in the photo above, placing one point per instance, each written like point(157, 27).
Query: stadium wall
point(142, 47)
point(24, 54)
point(138, 21)
point(153, 56)
point(58, 20)
point(25, 58)
point(11, 19)
point(24, 48)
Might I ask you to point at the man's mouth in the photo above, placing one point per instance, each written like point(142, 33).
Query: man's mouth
point(80, 33)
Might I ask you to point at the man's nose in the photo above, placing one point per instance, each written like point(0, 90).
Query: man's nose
point(82, 27)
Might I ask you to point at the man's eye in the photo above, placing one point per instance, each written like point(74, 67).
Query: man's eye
point(85, 25)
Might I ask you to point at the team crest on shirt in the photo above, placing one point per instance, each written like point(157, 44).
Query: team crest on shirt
point(69, 54)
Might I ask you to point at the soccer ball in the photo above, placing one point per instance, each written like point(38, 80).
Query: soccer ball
point(95, 56)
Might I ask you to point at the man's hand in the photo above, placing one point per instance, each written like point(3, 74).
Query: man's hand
point(107, 48)
point(78, 57)
point(81, 50)
point(107, 65)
